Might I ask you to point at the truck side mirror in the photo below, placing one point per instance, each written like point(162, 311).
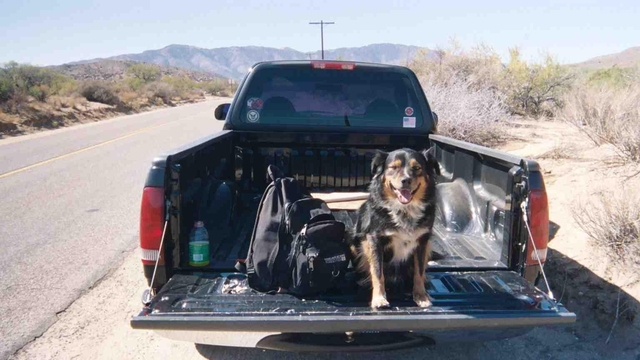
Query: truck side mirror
point(221, 111)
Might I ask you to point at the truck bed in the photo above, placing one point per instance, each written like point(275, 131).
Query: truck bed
point(449, 249)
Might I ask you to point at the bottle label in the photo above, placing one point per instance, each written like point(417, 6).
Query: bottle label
point(199, 253)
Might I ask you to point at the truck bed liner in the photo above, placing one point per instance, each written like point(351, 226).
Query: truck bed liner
point(222, 301)
point(449, 249)
point(228, 293)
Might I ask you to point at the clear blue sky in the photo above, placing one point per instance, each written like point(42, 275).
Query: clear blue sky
point(54, 32)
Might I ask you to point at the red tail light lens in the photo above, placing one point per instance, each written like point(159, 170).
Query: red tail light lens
point(151, 224)
point(333, 65)
point(539, 221)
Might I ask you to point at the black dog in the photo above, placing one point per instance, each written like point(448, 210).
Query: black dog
point(394, 223)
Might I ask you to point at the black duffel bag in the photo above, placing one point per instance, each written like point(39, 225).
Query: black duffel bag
point(282, 259)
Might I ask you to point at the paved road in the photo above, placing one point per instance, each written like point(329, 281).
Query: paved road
point(70, 207)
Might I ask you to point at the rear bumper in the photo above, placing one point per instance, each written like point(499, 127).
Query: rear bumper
point(339, 342)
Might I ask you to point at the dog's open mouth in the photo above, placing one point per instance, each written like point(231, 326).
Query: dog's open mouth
point(404, 195)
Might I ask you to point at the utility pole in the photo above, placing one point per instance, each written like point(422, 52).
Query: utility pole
point(322, 24)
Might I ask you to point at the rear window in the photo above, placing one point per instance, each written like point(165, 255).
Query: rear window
point(303, 95)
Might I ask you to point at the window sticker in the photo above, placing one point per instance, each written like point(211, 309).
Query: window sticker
point(254, 103)
point(408, 111)
point(409, 122)
point(253, 116)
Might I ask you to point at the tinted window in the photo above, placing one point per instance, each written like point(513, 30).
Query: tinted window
point(361, 97)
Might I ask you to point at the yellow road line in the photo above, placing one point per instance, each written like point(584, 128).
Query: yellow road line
point(13, 172)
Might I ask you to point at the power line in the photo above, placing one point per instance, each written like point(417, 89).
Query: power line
point(322, 24)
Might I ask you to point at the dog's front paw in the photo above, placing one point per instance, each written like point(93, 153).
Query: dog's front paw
point(378, 302)
point(422, 299)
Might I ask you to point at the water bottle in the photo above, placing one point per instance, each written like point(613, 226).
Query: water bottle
point(199, 245)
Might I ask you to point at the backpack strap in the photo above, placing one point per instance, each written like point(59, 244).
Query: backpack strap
point(273, 173)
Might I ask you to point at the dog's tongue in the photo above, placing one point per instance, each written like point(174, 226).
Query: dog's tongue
point(404, 196)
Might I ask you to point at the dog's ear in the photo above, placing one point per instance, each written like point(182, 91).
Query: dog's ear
point(377, 163)
point(430, 157)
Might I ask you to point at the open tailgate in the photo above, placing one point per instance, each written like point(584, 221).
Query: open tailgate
point(462, 301)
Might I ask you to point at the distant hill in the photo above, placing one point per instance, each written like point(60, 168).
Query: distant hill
point(114, 70)
point(627, 58)
point(233, 62)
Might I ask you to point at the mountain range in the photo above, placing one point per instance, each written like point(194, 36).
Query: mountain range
point(626, 58)
point(233, 62)
point(114, 70)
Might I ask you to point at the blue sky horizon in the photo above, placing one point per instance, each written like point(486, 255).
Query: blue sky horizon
point(43, 33)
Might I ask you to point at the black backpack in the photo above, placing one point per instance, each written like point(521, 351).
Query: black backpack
point(280, 257)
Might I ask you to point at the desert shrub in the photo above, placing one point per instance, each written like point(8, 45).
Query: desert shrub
point(181, 84)
point(28, 80)
point(219, 87)
point(527, 88)
point(62, 102)
point(101, 92)
point(614, 77)
point(479, 68)
point(62, 85)
point(146, 73)
point(6, 86)
point(39, 92)
point(135, 84)
point(464, 111)
point(16, 102)
point(463, 89)
point(214, 87)
point(162, 90)
point(534, 89)
point(607, 116)
point(613, 224)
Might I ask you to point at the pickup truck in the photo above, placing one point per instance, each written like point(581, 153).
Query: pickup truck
point(321, 123)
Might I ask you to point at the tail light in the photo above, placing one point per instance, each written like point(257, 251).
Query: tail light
point(539, 222)
point(329, 65)
point(151, 224)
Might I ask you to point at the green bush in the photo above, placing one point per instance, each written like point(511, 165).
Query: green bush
point(181, 84)
point(534, 89)
point(6, 87)
point(528, 88)
point(39, 92)
point(135, 83)
point(34, 81)
point(219, 87)
point(146, 73)
point(163, 91)
point(100, 92)
point(614, 77)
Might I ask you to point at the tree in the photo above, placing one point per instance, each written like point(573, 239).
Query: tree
point(144, 72)
point(534, 89)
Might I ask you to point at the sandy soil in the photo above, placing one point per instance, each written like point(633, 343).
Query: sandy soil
point(96, 326)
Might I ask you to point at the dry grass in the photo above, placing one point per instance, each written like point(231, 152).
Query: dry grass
point(613, 224)
point(560, 152)
point(607, 116)
point(464, 112)
point(464, 89)
point(65, 102)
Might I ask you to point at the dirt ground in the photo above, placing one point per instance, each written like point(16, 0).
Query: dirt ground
point(96, 326)
point(40, 116)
